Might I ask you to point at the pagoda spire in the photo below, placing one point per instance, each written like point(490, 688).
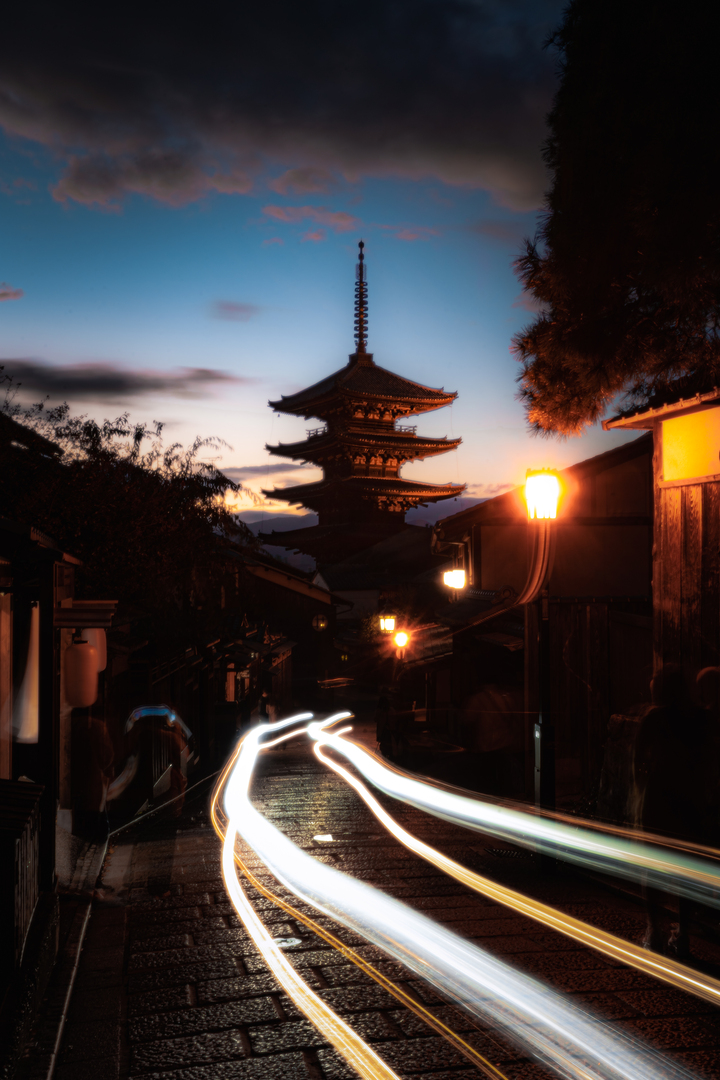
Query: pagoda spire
point(361, 304)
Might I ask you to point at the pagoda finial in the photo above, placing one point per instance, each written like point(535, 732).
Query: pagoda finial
point(361, 306)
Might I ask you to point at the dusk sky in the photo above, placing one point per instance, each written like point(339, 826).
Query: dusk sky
point(181, 204)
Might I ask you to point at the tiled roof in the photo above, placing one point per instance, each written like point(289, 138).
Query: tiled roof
point(397, 440)
point(374, 486)
point(362, 378)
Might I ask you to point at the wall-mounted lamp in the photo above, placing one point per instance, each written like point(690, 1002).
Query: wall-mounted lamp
point(387, 624)
point(455, 579)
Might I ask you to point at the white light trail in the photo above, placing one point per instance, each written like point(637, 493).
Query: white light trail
point(576, 1044)
point(674, 869)
point(339, 1034)
point(659, 967)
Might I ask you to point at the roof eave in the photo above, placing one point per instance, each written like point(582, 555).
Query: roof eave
point(645, 419)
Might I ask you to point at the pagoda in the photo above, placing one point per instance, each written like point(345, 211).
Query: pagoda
point(361, 499)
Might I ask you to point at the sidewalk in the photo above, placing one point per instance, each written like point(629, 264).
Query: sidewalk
point(169, 986)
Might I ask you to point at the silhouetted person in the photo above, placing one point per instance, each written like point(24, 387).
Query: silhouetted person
point(674, 767)
point(175, 742)
point(382, 728)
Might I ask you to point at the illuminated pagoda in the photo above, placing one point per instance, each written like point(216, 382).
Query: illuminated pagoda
point(361, 499)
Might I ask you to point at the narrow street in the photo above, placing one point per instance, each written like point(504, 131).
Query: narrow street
point(170, 986)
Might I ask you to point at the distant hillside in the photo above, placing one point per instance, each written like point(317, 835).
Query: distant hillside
point(266, 521)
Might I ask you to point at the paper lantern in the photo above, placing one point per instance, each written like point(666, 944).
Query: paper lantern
point(97, 639)
point(81, 674)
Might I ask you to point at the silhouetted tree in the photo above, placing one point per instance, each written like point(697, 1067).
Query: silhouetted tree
point(626, 263)
point(149, 522)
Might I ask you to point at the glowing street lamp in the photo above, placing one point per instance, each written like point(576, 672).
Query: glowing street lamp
point(401, 639)
point(387, 624)
point(455, 579)
point(542, 492)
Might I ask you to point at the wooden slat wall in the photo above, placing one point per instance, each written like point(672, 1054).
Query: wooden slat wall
point(598, 690)
point(686, 573)
point(710, 577)
point(692, 547)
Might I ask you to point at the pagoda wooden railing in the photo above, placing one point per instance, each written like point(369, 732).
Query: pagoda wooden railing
point(316, 432)
point(409, 429)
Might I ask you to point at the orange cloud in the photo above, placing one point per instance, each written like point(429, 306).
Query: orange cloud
point(317, 236)
point(338, 220)
point(8, 293)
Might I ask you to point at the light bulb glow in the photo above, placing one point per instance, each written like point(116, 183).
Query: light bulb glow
point(454, 579)
point(542, 491)
point(401, 639)
point(387, 623)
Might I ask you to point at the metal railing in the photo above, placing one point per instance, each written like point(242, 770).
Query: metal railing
point(19, 866)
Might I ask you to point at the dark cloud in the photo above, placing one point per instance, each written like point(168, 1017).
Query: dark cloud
point(510, 233)
point(103, 382)
point(235, 310)
point(8, 293)
point(248, 472)
point(303, 182)
point(176, 108)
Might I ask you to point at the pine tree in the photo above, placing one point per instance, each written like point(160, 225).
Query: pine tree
point(626, 262)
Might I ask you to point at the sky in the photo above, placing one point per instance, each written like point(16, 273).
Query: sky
point(181, 201)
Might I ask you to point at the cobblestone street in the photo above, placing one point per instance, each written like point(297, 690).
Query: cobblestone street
point(170, 987)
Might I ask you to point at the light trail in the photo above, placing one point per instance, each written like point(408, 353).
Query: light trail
point(572, 1041)
point(659, 967)
point(339, 1034)
point(676, 870)
point(477, 1059)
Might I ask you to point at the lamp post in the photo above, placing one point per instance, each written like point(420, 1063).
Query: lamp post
point(542, 491)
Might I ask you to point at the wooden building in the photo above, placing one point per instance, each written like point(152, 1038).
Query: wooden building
point(362, 498)
point(481, 674)
point(686, 550)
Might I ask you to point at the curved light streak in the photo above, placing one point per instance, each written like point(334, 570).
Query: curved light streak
point(572, 1041)
point(339, 1034)
point(675, 869)
point(477, 1059)
point(659, 967)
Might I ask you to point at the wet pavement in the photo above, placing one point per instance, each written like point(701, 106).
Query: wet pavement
point(170, 987)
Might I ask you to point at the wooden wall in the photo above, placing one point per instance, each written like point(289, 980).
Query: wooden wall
point(686, 571)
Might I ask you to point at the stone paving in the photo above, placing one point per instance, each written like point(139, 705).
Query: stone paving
point(170, 987)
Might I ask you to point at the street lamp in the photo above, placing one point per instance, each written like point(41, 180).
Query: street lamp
point(455, 579)
point(401, 639)
point(387, 624)
point(542, 493)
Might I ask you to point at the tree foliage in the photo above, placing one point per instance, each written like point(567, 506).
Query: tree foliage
point(625, 266)
point(149, 522)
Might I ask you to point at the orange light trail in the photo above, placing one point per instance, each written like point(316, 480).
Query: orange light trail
point(660, 967)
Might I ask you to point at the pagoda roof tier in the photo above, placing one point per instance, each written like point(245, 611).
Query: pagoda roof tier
point(375, 488)
point(363, 380)
point(399, 442)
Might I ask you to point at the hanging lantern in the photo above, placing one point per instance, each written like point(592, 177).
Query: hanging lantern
point(81, 674)
point(387, 624)
point(320, 622)
point(97, 639)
